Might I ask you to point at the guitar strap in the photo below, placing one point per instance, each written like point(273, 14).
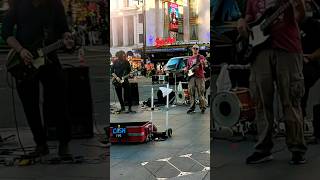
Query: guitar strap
point(198, 58)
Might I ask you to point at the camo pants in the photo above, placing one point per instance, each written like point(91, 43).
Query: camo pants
point(197, 84)
point(285, 69)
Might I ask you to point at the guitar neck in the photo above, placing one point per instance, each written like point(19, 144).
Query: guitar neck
point(52, 47)
point(276, 14)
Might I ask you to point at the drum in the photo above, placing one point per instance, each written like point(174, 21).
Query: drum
point(186, 93)
point(233, 106)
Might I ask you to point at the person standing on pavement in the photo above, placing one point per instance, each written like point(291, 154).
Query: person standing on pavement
point(197, 81)
point(280, 61)
point(120, 68)
point(310, 28)
point(44, 21)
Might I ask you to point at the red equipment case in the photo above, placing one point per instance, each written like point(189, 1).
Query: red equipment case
point(131, 132)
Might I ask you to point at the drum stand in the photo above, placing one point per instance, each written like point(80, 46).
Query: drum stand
point(174, 104)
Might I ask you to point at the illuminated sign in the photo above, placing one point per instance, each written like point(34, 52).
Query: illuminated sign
point(161, 42)
point(173, 10)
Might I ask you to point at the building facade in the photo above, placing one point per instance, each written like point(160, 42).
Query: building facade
point(183, 20)
point(186, 21)
point(126, 26)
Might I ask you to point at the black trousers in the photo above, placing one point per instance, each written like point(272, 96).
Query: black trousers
point(311, 73)
point(127, 93)
point(54, 102)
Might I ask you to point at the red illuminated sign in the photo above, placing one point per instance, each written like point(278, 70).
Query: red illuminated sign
point(161, 42)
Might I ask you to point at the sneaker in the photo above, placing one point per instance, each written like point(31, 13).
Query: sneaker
point(121, 110)
point(190, 111)
point(41, 150)
point(130, 110)
point(258, 157)
point(63, 150)
point(297, 158)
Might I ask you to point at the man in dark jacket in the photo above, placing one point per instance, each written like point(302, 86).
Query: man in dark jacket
point(121, 68)
point(40, 21)
point(310, 28)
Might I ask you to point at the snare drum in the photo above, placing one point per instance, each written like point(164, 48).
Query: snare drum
point(233, 106)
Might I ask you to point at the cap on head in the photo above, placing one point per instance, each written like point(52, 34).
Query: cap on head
point(195, 46)
point(129, 53)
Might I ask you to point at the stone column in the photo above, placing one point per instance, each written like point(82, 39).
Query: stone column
point(186, 23)
point(114, 32)
point(125, 31)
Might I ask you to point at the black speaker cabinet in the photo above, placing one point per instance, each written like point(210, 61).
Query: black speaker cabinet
point(134, 90)
point(316, 120)
point(79, 103)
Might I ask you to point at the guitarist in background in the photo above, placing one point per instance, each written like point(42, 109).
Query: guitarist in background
point(197, 81)
point(310, 28)
point(281, 61)
point(121, 67)
point(43, 20)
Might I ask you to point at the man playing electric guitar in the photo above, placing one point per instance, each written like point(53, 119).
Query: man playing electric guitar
point(197, 81)
point(279, 61)
point(121, 68)
point(40, 20)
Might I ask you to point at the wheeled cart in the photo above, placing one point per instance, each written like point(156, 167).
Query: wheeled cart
point(139, 132)
point(131, 132)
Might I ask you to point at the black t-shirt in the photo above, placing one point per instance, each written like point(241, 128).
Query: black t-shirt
point(121, 68)
point(45, 22)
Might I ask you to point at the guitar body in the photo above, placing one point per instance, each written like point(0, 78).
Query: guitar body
point(17, 68)
point(116, 83)
point(119, 83)
point(257, 40)
point(190, 73)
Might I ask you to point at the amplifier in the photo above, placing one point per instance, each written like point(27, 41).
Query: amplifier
point(79, 103)
point(316, 120)
point(134, 90)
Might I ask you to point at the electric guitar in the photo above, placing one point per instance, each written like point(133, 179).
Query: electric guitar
point(259, 31)
point(193, 68)
point(118, 81)
point(18, 69)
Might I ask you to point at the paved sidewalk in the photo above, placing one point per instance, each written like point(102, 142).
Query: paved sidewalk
point(228, 160)
point(95, 166)
point(186, 154)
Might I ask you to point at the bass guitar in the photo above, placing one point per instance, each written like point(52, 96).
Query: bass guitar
point(193, 68)
point(16, 67)
point(19, 70)
point(259, 31)
point(118, 81)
